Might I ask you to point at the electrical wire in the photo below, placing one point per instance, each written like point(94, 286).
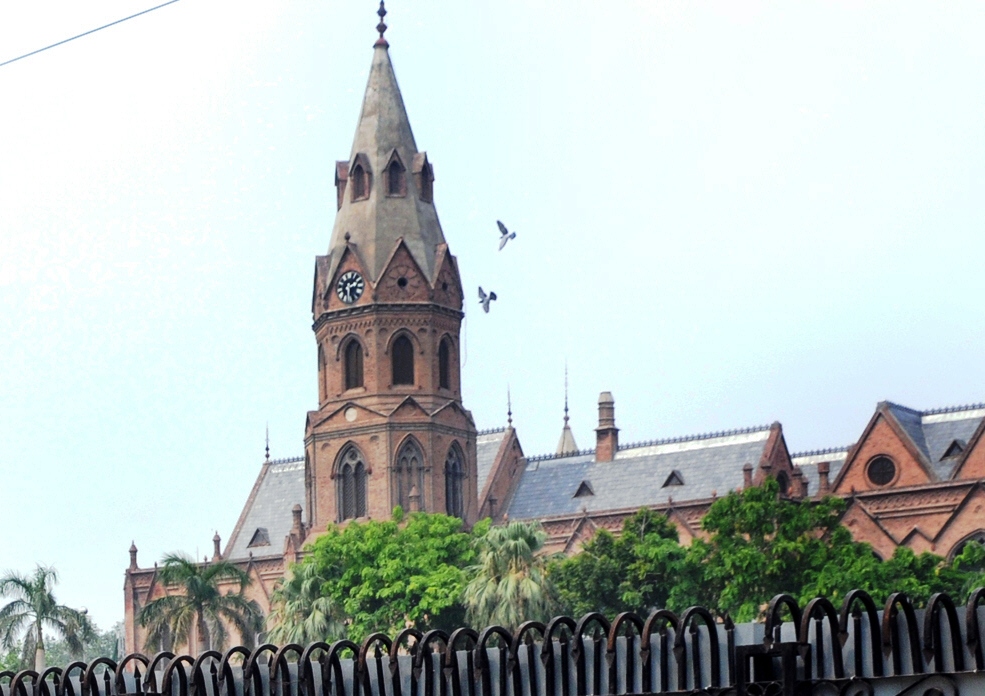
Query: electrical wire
point(91, 31)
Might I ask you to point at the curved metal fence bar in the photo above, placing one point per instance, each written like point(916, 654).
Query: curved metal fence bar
point(820, 650)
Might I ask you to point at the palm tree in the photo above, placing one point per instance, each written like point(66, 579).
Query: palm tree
point(509, 582)
point(33, 610)
point(300, 612)
point(201, 604)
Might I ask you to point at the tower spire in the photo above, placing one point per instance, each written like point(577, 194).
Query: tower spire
point(566, 445)
point(381, 27)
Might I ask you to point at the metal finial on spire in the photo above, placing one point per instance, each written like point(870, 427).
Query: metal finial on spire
point(381, 27)
point(509, 407)
point(267, 455)
point(566, 392)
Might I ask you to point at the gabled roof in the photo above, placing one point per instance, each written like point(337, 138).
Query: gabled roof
point(486, 447)
point(933, 432)
point(278, 488)
point(709, 465)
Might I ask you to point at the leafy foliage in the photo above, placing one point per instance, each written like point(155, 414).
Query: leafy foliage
point(99, 644)
point(301, 613)
point(634, 571)
point(385, 575)
point(201, 603)
point(34, 609)
point(509, 580)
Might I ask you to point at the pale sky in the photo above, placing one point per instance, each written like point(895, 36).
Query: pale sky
point(728, 213)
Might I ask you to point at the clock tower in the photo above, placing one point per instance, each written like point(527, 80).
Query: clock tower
point(390, 428)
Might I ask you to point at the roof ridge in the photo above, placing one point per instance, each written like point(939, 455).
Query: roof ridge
point(490, 431)
point(952, 409)
point(823, 450)
point(287, 460)
point(651, 443)
point(691, 438)
point(905, 408)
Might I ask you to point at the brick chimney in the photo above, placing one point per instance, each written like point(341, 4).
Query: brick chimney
point(824, 485)
point(799, 485)
point(607, 434)
point(133, 556)
point(747, 476)
point(216, 542)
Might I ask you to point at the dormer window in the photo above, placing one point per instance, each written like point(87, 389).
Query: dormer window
point(260, 538)
point(584, 490)
point(360, 178)
point(424, 177)
point(396, 179)
point(674, 479)
point(954, 449)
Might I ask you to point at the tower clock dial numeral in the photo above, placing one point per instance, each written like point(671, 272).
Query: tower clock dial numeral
point(350, 287)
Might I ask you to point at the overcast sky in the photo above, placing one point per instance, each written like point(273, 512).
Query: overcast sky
point(727, 214)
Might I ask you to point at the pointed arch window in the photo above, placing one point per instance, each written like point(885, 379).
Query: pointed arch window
point(322, 392)
point(402, 357)
point(353, 362)
point(359, 177)
point(426, 183)
point(396, 178)
point(454, 479)
point(351, 484)
point(444, 365)
point(409, 473)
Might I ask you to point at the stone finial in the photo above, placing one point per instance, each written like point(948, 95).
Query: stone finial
point(747, 475)
point(824, 483)
point(509, 408)
point(133, 556)
point(607, 434)
point(296, 514)
point(414, 498)
point(216, 543)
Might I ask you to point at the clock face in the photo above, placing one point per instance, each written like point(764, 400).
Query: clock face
point(350, 287)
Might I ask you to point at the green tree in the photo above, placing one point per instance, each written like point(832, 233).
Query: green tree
point(301, 612)
point(201, 604)
point(510, 583)
point(385, 575)
point(759, 545)
point(98, 644)
point(34, 609)
point(631, 572)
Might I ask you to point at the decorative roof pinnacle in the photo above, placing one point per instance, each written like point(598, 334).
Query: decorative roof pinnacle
point(267, 452)
point(509, 407)
point(381, 27)
point(565, 393)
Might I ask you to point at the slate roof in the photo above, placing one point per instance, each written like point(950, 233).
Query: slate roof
point(934, 431)
point(278, 488)
point(709, 464)
point(486, 446)
point(807, 463)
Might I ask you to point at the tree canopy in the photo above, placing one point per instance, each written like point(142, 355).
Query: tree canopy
point(385, 575)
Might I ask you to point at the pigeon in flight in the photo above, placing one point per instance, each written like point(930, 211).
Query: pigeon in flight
point(504, 235)
point(485, 299)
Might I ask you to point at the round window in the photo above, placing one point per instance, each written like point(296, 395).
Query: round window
point(881, 471)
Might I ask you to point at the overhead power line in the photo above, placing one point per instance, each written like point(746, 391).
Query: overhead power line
point(91, 31)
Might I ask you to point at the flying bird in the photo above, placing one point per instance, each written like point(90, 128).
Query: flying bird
point(485, 299)
point(504, 235)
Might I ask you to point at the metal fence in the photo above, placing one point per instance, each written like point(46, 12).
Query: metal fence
point(856, 649)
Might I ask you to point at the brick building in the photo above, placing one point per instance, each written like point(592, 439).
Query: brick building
point(391, 428)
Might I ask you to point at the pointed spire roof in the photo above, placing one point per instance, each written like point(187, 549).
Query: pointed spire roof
point(375, 225)
point(566, 445)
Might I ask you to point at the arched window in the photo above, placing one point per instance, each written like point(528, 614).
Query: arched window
point(410, 475)
point(322, 395)
point(396, 182)
point(351, 484)
point(784, 482)
point(353, 364)
point(454, 475)
point(444, 368)
point(402, 354)
point(426, 181)
point(360, 182)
